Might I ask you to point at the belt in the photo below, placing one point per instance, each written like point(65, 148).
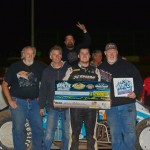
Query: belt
point(30, 99)
point(26, 99)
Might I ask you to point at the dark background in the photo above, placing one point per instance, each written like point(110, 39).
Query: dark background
point(127, 23)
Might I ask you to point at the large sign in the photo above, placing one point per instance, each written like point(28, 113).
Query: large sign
point(75, 94)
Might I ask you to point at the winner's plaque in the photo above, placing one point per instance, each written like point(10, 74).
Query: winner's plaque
point(123, 86)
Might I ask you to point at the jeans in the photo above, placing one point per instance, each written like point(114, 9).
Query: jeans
point(122, 122)
point(26, 109)
point(89, 117)
point(52, 121)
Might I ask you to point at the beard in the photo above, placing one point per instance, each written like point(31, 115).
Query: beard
point(70, 45)
point(111, 61)
point(28, 63)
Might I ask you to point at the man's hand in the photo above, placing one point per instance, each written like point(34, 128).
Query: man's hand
point(13, 104)
point(81, 26)
point(131, 95)
point(42, 112)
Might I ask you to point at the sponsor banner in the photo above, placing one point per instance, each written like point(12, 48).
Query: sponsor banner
point(76, 94)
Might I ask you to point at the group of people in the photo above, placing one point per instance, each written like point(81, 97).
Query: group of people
point(29, 87)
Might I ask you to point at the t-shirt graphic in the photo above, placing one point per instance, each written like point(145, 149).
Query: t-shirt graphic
point(26, 79)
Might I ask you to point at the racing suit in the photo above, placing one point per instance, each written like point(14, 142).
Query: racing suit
point(86, 115)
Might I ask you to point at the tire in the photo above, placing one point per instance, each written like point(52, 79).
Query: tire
point(143, 135)
point(6, 140)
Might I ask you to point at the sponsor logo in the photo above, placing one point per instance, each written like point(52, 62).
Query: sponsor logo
point(101, 86)
point(63, 86)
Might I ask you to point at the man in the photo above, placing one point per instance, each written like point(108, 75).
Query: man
point(55, 71)
point(83, 71)
point(96, 58)
point(122, 115)
point(70, 51)
point(21, 88)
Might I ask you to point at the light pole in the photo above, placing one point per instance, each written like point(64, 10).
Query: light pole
point(32, 22)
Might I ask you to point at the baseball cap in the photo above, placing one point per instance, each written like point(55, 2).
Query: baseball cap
point(110, 46)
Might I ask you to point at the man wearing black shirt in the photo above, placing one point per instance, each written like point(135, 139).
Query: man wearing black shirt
point(122, 115)
point(70, 51)
point(21, 88)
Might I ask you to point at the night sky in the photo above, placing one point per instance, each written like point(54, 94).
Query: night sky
point(126, 23)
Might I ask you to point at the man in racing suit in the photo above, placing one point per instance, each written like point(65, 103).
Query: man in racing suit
point(83, 71)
